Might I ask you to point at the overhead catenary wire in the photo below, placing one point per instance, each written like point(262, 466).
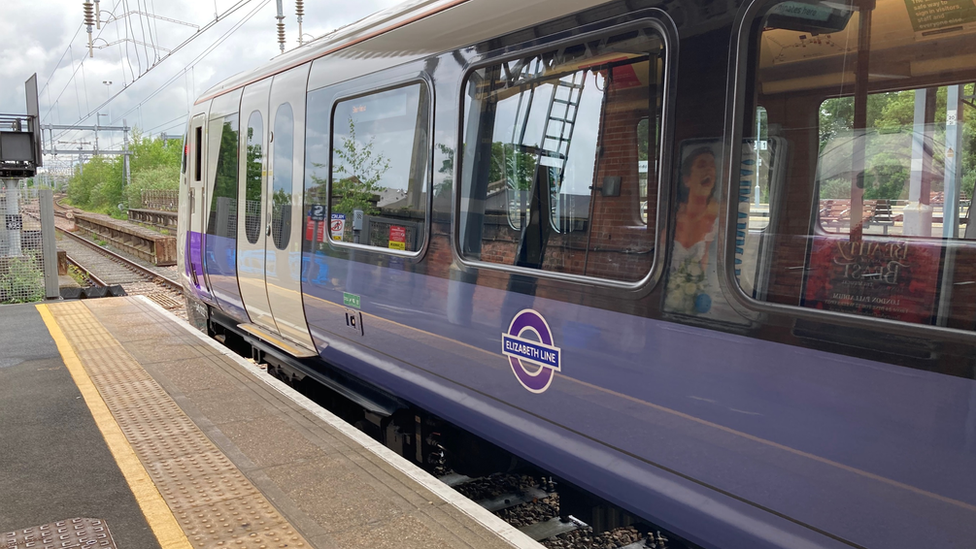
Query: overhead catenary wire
point(227, 13)
point(58, 66)
point(169, 123)
point(188, 70)
point(73, 74)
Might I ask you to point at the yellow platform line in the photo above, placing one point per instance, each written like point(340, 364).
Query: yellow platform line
point(159, 516)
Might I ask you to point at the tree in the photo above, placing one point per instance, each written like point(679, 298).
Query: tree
point(887, 178)
point(361, 169)
point(99, 185)
point(894, 112)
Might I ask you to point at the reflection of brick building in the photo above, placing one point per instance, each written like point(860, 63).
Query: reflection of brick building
point(621, 245)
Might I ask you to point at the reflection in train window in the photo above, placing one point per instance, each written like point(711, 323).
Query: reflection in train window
point(645, 163)
point(379, 169)
point(893, 138)
point(872, 139)
point(253, 176)
point(551, 173)
point(284, 147)
point(223, 204)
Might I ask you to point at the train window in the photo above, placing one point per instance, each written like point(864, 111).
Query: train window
point(198, 168)
point(223, 203)
point(282, 184)
point(379, 169)
point(552, 171)
point(873, 103)
point(253, 175)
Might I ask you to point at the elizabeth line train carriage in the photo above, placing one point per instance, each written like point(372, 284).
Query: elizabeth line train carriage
point(710, 261)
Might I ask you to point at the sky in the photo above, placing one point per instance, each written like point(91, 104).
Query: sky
point(151, 92)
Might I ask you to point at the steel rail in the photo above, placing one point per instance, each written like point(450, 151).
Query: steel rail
point(164, 280)
point(92, 277)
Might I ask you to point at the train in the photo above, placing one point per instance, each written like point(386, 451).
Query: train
point(709, 261)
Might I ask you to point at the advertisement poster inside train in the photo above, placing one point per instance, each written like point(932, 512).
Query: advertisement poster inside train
point(693, 287)
point(889, 278)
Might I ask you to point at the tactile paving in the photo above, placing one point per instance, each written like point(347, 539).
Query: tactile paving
point(64, 534)
point(214, 503)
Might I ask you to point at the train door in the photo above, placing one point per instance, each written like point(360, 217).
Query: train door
point(197, 205)
point(220, 220)
point(284, 201)
point(253, 218)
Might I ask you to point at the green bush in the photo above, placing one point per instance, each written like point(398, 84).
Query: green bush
point(161, 177)
point(22, 281)
point(100, 184)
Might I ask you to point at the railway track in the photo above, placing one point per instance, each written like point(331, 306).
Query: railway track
point(103, 267)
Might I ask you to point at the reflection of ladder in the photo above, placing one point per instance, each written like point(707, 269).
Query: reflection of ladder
point(555, 138)
point(563, 109)
point(557, 135)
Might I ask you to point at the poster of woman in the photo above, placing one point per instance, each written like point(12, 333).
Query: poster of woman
point(693, 286)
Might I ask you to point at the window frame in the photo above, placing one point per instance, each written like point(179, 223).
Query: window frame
point(365, 90)
point(743, 56)
point(650, 19)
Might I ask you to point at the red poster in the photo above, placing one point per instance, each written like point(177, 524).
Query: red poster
point(891, 278)
point(310, 228)
point(398, 237)
point(398, 233)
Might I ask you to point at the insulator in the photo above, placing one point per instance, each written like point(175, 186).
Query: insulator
point(281, 35)
point(299, 7)
point(89, 14)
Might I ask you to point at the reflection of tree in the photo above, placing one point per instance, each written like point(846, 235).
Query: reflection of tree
point(280, 217)
point(252, 184)
point(515, 167)
point(255, 163)
point(447, 168)
point(361, 168)
point(225, 185)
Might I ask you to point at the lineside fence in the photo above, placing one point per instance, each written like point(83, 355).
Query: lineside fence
point(160, 200)
point(28, 245)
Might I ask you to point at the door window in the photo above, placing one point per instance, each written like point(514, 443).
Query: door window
point(254, 173)
point(282, 182)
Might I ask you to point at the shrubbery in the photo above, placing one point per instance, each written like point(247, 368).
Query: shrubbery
point(21, 281)
point(100, 184)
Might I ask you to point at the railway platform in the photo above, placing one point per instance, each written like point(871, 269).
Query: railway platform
point(123, 427)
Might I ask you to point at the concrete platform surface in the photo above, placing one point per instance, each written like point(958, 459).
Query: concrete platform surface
point(54, 463)
point(233, 457)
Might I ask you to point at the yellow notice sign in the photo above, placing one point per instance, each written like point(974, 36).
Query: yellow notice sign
point(402, 246)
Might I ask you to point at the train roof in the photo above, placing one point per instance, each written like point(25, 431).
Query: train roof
point(408, 31)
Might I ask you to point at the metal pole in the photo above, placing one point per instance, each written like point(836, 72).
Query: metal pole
point(13, 221)
point(953, 166)
point(49, 245)
point(864, 13)
point(918, 213)
point(125, 154)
